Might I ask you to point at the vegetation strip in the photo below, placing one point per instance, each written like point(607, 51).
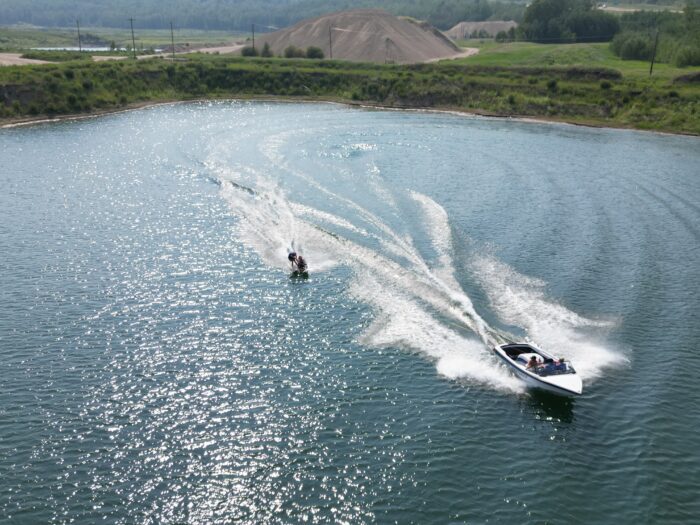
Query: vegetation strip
point(596, 96)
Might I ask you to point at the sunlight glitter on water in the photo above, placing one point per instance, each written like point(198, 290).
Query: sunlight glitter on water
point(161, 365)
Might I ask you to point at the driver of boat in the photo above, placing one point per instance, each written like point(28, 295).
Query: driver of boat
point(533, 363)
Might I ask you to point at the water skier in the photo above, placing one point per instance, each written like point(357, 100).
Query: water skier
point(298, 261)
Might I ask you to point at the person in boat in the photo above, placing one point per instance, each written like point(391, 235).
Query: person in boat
point(533, 363)
point(298, 261)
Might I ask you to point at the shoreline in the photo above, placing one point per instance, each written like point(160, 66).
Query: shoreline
point(43, 119)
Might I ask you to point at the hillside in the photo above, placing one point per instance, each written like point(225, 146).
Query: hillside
point(365, 36)
point(236, 15)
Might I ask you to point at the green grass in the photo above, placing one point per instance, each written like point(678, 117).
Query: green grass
point(586, 55)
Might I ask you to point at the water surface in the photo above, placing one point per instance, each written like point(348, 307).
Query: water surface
point(160, 366)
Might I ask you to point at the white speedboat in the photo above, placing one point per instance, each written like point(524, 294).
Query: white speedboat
point(540, 369)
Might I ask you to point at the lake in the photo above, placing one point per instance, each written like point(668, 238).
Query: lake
point(159, 365)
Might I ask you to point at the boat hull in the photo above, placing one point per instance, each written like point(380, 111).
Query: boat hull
point(564, 384)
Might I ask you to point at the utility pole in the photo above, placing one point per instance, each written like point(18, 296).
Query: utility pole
point(80, 46)
point(172, 39)
point(330, 41)
point(133, 40)
point(653, 55)
point(252, 27)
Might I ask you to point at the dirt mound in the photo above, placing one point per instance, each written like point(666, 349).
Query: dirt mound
point(464, 29)
point(366, 35)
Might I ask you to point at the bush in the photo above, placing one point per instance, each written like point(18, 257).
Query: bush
point(605, 85)
point(249, 51)
point(56, 56)
point(314, 52)
point(636, 48)
point(294, 52)
point(266, 51)
point(632, 46)
point(552, 84)
point(687, 56)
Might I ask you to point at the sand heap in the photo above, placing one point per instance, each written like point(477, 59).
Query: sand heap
point(464, 29)
point(366, 35)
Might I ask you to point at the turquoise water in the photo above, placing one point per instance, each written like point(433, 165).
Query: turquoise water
point(160, 366)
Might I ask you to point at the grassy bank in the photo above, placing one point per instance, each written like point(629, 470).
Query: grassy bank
point(597, 96)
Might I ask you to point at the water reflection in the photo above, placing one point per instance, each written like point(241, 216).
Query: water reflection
point(550, 406)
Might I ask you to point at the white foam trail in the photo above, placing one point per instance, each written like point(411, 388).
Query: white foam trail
point(438, 225)
point(268, 224)
point(268, 221)
point(521, 301)
point(405, 291)
point(377, 185)
point(403, 322)
point(300, 209)
point(270, 149)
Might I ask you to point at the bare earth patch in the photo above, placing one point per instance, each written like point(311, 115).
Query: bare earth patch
point(466, 52)
point(103, 58)
point(15, 59)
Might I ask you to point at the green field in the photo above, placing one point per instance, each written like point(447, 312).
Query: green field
point(564, 55)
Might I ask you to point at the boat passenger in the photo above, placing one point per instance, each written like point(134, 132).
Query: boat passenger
point(298, 261)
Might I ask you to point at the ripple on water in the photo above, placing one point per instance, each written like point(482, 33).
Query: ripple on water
point(160, 366)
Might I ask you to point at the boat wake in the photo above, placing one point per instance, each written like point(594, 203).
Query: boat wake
point(418, 300)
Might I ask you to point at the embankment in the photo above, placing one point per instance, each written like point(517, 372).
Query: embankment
point(594, 96)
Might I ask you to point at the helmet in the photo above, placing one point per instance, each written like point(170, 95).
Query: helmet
point(292, 256)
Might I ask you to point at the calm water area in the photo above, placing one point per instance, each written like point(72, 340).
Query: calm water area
point(158, 364)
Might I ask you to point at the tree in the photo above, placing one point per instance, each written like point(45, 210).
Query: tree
point(567, 21)
point(266, 51)
point(314, 52)
point(249, 51)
